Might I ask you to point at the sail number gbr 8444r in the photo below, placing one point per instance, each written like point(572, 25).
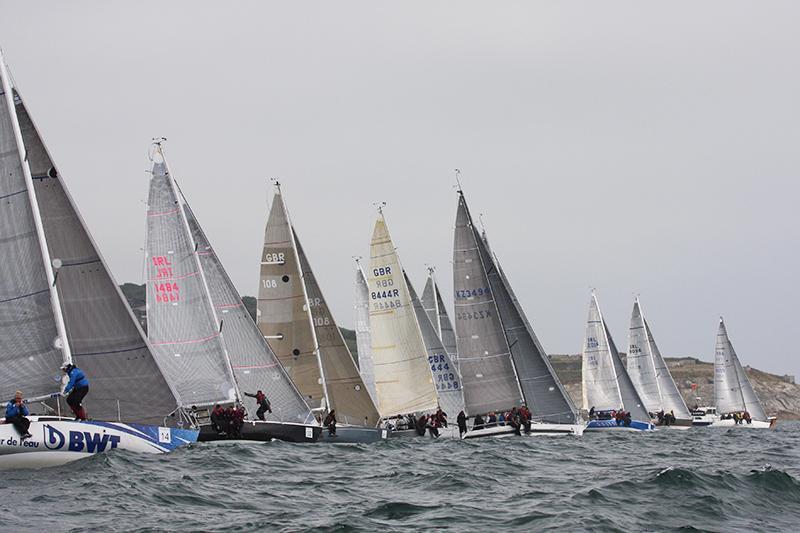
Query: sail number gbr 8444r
point(384, 296)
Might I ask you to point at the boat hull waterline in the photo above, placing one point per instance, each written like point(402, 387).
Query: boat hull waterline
point(355, 435)
point(258, 431)
point(57, 441)
point(611, 425)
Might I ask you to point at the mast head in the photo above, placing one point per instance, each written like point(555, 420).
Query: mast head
point(276, 184)
point(458, 181)
point(380, 206)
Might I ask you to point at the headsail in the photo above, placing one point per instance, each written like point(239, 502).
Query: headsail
point(732, 389)
point(254, 365)
point(445, 375)
point(102, 336)
point(487, 370)
point(363, 336)
point(606, 384)
point(181, 321)
point(282, 307)
point(346, 392)
point(641, 341)
point(403, 379)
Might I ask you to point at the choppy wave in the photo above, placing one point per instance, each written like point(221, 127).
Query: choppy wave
point(713, 480)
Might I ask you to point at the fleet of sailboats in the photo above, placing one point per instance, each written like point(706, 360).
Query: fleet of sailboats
point(203, 349)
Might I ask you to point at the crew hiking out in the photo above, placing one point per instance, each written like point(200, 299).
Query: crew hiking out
point(16, 411)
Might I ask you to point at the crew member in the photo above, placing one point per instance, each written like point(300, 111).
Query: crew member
point(330, 423)
point(263, 404)
point(76, 390)
point(16, 411)
point(217, 418)
point(461, 419)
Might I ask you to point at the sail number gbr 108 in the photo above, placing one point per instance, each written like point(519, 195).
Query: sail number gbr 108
point(384, 295)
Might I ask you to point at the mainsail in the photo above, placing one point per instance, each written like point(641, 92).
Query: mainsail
point(445, 374)
point(333, 368)
point(606, 384)
point(488, 374)
point(53, 272)
point(732, 389)
point(254, 365)
point(181, 321)
point(437, 313)
point(403, 380)
point(283, 316)
point(363, 336)
point(649, 372)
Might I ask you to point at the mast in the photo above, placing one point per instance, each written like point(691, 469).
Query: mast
point(182, 205)
point(432, 274)
point(306, 300)
point(37, 217)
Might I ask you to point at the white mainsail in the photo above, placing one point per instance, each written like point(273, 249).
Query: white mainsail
point(403, 380)
point(437, 313)
point(649, 372)
point(363, 336)
point(181, 320)
point(733, 391)
point(606, 384)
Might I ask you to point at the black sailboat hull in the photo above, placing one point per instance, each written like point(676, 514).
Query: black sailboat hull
point(256, 430)
point(355, 434)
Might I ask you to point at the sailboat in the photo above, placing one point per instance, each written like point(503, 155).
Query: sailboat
point(607, 387)
point(405, 378)
point(60, 304)
point(363, 337)
point(502, 363)
point(201, 332)
point(433, 304)
point(651, 377)
point(733, 393)
point(294, 316)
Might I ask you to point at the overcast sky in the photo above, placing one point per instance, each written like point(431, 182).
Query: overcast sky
point(627, 146)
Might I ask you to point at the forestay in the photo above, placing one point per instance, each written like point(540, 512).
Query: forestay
point(403, 379)
point(254, 365)
point(181, 322)
point(445, 375)
point(733, 391)
point(487, 372)
point(346, 392)
point(104, 337)
point(363, 336)
point(282, 308)
point(642, 341)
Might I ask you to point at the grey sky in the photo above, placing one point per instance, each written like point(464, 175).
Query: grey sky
point(626, 146)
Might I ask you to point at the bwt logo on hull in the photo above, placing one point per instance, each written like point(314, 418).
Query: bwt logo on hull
point(78, 441)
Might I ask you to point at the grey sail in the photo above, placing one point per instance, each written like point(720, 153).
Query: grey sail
point(103, 337)
point(733, 391)
point(488, 375)
point(445, 375)
point(28, 331)
point(363, 337)
point(254, 365)
point(437, 313)
point(544, 393)
point(181, 322)
point(606, 383)
point(669, 397)
point(428, 301)
point(345, 390)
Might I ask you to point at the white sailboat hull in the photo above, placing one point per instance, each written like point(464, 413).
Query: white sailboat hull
point(754, 424)
point(538, 429)
point(56, 441)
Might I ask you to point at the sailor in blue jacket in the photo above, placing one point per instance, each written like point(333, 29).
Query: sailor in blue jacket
point(76, 390)
point(16, 411)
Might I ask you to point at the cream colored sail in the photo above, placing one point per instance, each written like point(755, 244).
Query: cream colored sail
point(403, 380)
